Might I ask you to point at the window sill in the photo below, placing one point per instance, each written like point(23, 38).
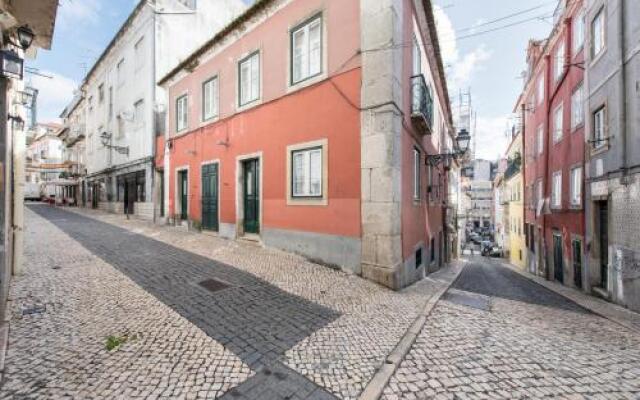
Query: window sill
point(599, 150)
point(312, 80)
point(309, 201)
point(249, 105)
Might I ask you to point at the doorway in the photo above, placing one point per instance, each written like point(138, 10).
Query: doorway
point(576, 246)
point(558, 272)
point(210, 197)
point(603, 241)
point(251, 195)
point(95, 195)
point(183, 193)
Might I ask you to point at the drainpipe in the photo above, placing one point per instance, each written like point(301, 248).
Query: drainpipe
point(524, 176)
point(547, 129)
point(153, 118)
point(623, 91)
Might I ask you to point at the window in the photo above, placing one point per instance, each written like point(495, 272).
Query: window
point(306, 50)
point(540, 139)
point(578, 33)
point(539, 195)
point(210, 99)
point(139, 53)
point(181, 113)
point(120, 72)
point(419, 257)
point(558, 69)
point(576, 186)
point(249, 79)
point(417, 57)
point(557, 124)
point(577, 111)
point(597, 34)
point(540, 94)
point(139, 113)
point(307, 173)
point(416, 174)
point(101, 93)
point(599, 127)
point(189, 3)
point(556, 193)
point(110, 102)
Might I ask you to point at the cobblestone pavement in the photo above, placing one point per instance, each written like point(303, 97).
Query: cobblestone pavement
point(497, 335)
point(280, 327)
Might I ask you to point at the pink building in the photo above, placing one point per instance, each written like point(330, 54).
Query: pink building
point(302, 128)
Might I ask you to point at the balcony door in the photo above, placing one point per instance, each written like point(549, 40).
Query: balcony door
point(210, 197)
point(251, 195)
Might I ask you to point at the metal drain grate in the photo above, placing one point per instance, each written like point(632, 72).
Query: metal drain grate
point(213, 285)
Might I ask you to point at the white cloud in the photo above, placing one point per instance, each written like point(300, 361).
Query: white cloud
point(53, 94)
point(492, 138)
point(78, 12)
point(460, 69)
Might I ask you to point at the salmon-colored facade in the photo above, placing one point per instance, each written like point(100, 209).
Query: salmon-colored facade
point(325, 117)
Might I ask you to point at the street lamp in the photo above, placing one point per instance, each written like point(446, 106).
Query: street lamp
point(16, 121)
point(462, 145)
point(25, 36)
point(105, 139)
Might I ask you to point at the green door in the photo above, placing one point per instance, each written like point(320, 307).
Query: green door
point(184, 193)
point(251, 196)
point(210, 197)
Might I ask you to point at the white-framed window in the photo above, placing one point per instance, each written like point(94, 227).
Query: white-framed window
point(249, 79)
point(597, 33)
point(101, 93)
point(120, 72)
point(540, 94)
point(110, 112)
point(576, 186)
point(539, 194)
point(139, 113)
point(210, 99)
point(139, 50)
point(540, 139)
point(181, 112)
point(556, 190)
point(559, 62)
point(599, 127)
point(557, 123)
point(417, 57)
point(416, 174)
point(578, 33)
point(306, 169)
point(306, 50)
point(577, 109)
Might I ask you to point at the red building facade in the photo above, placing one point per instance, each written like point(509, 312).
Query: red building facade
point(300, 128)
point(552, 105)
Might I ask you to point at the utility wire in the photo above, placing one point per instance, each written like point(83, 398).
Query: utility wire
point(506, 16)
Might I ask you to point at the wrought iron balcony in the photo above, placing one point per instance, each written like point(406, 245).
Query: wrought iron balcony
point(421, 105)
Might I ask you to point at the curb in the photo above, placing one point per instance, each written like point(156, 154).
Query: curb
point(381, 378)
point(585, 303)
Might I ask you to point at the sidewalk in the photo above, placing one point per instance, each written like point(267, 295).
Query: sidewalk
point(605, 309)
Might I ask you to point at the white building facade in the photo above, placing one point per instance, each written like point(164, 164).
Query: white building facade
point(125, 109)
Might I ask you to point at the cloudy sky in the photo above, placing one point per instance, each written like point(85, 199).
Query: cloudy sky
point(483, 45)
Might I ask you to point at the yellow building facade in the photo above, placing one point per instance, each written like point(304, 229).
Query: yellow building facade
point(514, 183)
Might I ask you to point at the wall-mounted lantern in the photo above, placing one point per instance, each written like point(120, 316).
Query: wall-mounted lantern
point(105, 139)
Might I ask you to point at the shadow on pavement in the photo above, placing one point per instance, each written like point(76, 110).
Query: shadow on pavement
point(484, 276)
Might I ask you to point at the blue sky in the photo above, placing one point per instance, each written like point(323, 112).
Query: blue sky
point(489, 64)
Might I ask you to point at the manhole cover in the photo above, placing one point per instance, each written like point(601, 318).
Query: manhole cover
point(468, 299)
point(213, 285)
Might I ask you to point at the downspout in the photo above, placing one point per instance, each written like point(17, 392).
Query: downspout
point(154, 119)
point(623, 92)
point(547, 146)
point(524, 176)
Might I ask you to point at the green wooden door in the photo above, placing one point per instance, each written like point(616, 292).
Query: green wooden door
point(251, 196)
point(184, 194)
point(210, 197)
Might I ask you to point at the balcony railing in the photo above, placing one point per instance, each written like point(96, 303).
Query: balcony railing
point(421, 105)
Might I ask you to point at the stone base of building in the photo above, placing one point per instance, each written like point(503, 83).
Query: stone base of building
point(337, 251)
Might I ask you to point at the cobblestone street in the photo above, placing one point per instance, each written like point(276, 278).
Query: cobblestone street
point(497, 335)
point(201, 317)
